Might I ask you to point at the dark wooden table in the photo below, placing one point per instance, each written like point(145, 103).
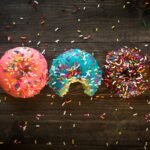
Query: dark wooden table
point(76, 121)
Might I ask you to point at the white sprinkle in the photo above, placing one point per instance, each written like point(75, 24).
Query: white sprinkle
point(131, 107)
point(146, 143)
point(35, 141)
point(84, 8)
point(43, 52)
point(113, 27)
point(9, 38)
point(113, 82)
point(146, 45)
point(96, 29)
point(21, 18)
point(135, 114)
point(64, 113)
point(38, 43)
point(64, 143)
point(91, 98)
point(72, 41)
point(146, 129)
point(37, 125)
point(148, 102)
point(36, 2)
point(56, 41)
point(117, 39)
point(74, 125)
point(72, 141)
point(49, 143)
point(56, 29)
point(80, 35)
point(107, 144)
point(53, 83)
point(86, 37)
point(98, 5)
point(79, 19)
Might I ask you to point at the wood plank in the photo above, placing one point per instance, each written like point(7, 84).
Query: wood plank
point(69, 126)
point(68, 23)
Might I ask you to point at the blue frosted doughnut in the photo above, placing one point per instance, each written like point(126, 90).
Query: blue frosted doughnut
point(74, 66)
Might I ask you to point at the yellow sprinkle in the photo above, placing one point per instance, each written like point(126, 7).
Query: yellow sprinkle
point(79, 31)
point(117, 40)
point(96, 29)
point(35, 141)
point(72, 141)
point(113, 27)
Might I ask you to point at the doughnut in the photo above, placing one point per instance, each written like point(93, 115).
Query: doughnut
point(74, 66)
point(23, 72)
point(127, 72)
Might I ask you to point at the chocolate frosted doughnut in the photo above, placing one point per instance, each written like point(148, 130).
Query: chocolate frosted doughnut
point(127, 72)
point(74, 66)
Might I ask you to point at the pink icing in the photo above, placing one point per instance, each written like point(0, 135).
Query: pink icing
point(23, 72)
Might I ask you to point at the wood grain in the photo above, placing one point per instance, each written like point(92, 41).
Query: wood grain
point(69, 126)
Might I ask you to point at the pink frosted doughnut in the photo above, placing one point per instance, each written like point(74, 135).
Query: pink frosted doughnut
point(23, 72)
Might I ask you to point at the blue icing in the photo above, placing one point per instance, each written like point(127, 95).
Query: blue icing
point(75, 64)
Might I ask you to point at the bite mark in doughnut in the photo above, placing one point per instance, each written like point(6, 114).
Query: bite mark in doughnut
point(127, 72)
point(74, 66)
point(23, 72)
